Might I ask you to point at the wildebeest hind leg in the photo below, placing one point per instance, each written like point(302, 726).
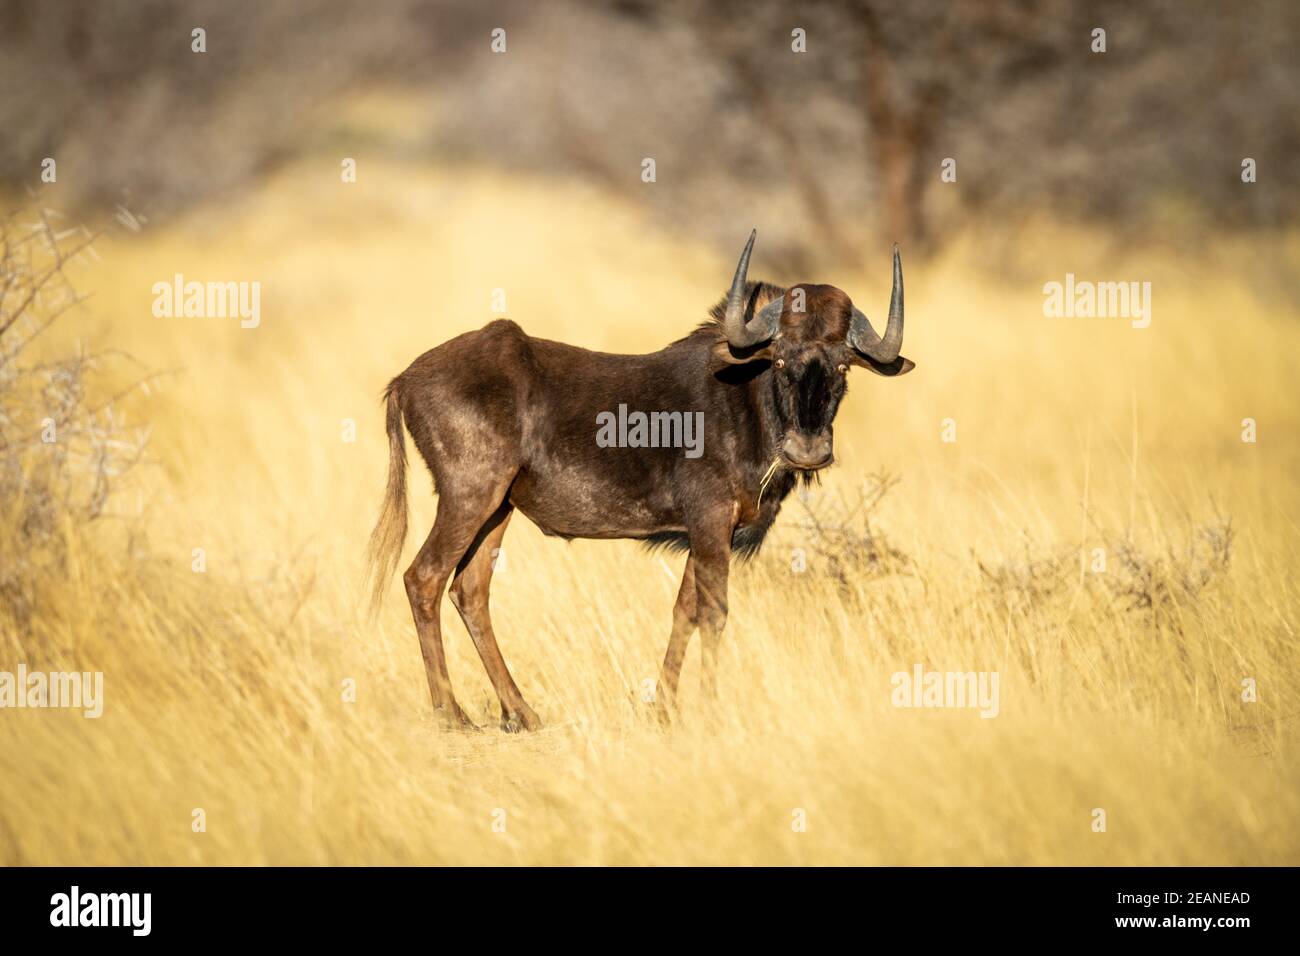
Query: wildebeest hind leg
point(469, 593)
point(461, 513)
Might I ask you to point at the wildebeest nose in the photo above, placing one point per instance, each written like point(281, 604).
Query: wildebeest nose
point(807, 451)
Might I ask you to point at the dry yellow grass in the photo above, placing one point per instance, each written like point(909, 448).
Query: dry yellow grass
point(224, 689)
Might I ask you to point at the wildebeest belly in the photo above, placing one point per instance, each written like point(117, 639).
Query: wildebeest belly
point(572, 502)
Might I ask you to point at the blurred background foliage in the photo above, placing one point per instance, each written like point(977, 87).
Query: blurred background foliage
point(830, 152)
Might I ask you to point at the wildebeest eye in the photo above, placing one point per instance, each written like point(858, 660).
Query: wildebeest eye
point(842, 368)
point(780, 363)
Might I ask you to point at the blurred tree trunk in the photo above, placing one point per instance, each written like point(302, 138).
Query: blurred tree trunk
point(902, 129)
point(823, 217)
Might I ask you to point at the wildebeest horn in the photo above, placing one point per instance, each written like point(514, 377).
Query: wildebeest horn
point(864, 338)
point(761, 327)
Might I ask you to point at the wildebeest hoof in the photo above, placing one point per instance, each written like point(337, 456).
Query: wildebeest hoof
point(515, 721)
point(664, 713)
point(453, 719)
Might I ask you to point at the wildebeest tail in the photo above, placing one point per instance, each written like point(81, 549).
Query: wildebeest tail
point(390, 530)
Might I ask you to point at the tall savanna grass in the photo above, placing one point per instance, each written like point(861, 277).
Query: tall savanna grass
point(257, 691)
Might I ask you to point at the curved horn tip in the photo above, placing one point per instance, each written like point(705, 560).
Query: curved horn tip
point(747, 251)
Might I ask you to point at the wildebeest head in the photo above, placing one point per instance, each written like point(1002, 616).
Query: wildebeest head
point(811, 335)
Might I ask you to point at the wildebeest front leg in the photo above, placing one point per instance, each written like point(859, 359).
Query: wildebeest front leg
point(683, 628)
point(702, 603)
point(711, 571)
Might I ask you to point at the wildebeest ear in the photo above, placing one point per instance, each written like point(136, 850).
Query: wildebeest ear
point(725, 353)
point(899, 366)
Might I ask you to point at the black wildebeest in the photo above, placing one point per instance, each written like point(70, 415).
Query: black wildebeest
point(506, 421)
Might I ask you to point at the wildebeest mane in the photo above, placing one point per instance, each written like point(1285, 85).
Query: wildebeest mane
point(758, 295)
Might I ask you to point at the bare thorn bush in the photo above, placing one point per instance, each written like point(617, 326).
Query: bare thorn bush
point(1028, 581)
point(65, 446)
point(1154, 581)
point(841, 534)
